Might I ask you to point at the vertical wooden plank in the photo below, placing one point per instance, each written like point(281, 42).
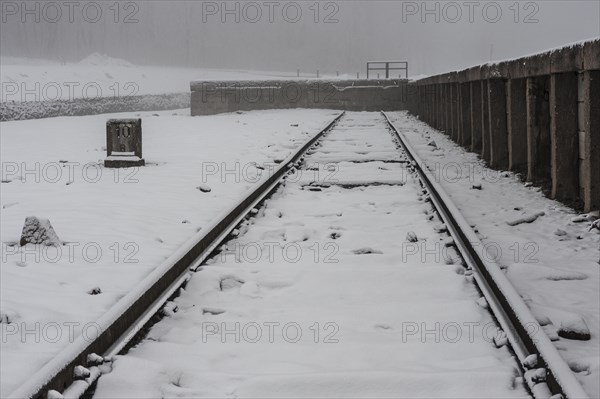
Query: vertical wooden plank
point(451, 106)
point(440, 108)
point(457, 113)
point(446, 109)
point(476, 116)
point(538, 130)
point(591, 129)
point(498, 133)
point(517, 124)
point(485, 121)
point(465, 106)
point(564, 138)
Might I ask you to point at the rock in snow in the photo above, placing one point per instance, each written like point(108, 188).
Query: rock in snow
point(95, 291)
point(39, 231)
point(204, 188)
point(575, 328)
point(366, 251)
point(579, 219)
point(411, 237)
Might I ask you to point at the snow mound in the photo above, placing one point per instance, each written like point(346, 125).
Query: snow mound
point(526, 219)
point(98, 59)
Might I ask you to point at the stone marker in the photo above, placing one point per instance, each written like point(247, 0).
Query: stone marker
point(123, 143)
point(39, 231)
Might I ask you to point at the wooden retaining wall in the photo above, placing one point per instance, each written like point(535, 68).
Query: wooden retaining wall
point(538, 115)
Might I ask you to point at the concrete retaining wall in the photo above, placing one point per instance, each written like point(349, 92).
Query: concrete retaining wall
point(211, 97)
point(539, 115)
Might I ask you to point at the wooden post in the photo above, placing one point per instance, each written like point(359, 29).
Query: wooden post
point(517, 124)
point(476, 116)
point(564, 136)
point(465, 107)
point(485, 121)
point(451, 106)
point(538, 130)
point(446, 108)
point(456, 109)
point(590, 115)
point(498, 134)
point(434, 98)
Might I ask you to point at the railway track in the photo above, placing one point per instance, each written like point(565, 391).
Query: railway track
point(354, 156)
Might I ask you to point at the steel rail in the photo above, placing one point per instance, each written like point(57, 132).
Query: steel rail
point(129, 315)
point(545, 371)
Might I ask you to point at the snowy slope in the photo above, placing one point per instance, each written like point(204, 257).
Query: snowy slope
point(102, 76)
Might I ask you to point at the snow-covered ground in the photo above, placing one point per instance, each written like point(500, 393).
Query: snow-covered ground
point(381, 321)
point(553, 262)
point(103, 76)
point(317, 297)
point(117, 224)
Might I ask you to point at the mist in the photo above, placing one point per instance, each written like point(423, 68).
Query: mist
point(330, 36)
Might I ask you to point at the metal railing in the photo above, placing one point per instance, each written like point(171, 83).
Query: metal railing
point(388, 66)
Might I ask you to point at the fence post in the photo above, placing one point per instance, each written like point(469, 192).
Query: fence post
point(498, 132)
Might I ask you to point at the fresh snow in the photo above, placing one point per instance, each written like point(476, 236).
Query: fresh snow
point(370, 322)
point(117, 224)
point(319, 296)
point(557, 275)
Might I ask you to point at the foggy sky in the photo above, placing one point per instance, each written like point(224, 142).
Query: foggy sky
point(432, 36)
